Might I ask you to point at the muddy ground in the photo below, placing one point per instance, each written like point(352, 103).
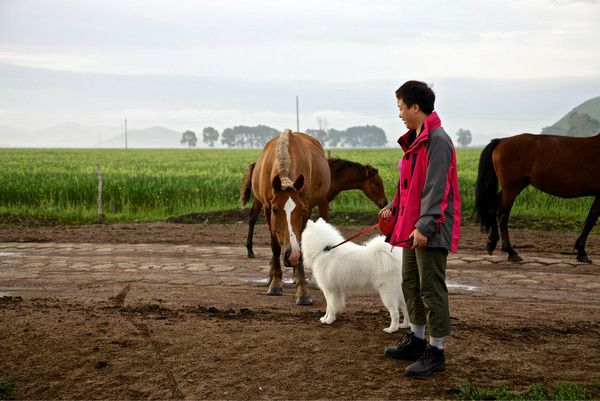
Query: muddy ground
point(173, 311)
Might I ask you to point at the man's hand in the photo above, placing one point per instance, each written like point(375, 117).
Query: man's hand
point(419, 240)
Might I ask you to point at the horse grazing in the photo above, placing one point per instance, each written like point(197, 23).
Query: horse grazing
point(345, 175)
point(562, 166)
point(291, 177)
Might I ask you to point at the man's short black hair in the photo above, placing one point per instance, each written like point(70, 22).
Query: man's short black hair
point(417, 92)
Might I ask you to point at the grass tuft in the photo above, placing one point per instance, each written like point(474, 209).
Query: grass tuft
point(560, 390)
point(5, 389)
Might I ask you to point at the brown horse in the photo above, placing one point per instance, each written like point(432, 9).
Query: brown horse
point(562, 166)
point(345, 175)
point(291, 177)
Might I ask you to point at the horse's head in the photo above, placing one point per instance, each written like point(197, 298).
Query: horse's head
point(288, 217)
point(373, 188)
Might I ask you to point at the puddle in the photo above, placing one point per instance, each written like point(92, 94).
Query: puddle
point(451, 286)
point(265, 281)
point(454, 286)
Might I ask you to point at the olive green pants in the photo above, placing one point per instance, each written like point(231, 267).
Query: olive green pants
point(424, 287)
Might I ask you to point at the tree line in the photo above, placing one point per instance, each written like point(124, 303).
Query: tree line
point(242, 136)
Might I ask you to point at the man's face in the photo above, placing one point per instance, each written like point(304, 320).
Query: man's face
point(409, 115)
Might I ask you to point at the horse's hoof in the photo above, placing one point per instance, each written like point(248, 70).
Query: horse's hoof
point(251, 255)
point(515, 258)
point(490, 248)
point(584, 259)
point(304, 300)
point(276, 291)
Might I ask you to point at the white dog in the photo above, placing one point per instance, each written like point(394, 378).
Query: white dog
point(353, 267)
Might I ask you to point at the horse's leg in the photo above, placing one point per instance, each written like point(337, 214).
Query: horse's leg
point(275, 273)
point(507, 199)
point(324, 210)
point(254, 213)
point(494, 234)
point(302, 295)
point(591, 219)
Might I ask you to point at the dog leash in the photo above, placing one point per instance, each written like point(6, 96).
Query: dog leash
point(366, 230)
point(330, 247)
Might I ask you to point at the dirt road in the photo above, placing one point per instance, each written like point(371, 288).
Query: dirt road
point(177, 311)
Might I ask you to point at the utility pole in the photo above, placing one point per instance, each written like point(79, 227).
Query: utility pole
point(297, 116)
point(125, 132)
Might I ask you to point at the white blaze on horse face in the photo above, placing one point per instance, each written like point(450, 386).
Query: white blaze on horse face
point(289, 206)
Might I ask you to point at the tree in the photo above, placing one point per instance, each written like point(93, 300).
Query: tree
point(335, 138)
point(318, 134)
point(189, 138)
point(242, 136)
point(464, 137)
point(368, 136)
point(210, 136)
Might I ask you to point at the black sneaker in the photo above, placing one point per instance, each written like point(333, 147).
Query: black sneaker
point(409, 347)
point(432, 360)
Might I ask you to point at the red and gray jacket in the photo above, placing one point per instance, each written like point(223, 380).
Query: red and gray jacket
point(428, 196)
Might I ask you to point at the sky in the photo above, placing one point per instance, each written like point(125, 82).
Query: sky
point(497, 67)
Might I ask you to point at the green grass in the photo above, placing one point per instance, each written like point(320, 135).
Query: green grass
point(5, 389)
point(53, 186)
point(561, 390)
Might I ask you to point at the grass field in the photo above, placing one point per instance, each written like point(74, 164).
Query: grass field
point(60, 185)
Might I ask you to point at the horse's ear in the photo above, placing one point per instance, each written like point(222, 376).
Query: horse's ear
point(276, 183)
point(299, 183)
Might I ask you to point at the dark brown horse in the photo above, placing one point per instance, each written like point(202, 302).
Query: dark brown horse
point(291, 177)
point(345, 175)
point(562, 166)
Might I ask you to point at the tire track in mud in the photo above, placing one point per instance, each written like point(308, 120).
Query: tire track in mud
point(119, 301)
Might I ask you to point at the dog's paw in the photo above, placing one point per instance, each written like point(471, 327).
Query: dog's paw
point(327, 320)
point(390, 329)
point(404, 325)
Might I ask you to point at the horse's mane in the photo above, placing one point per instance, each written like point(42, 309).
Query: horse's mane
point(335, 163)
point(282, 155)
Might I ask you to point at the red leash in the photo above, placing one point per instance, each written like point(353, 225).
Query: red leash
point(329, 247)
point(366, 230)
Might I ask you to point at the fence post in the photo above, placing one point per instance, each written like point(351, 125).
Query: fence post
point(100, 210)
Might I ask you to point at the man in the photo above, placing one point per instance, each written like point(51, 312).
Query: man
point(426, 209)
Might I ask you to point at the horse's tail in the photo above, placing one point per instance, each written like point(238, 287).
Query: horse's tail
point(486, 188)
point(246, 188)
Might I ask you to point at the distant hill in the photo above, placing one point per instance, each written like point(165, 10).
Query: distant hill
point(583, 120)
point(153, 137)
point(74, 135)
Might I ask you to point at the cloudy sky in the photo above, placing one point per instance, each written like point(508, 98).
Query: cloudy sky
point(541, 55)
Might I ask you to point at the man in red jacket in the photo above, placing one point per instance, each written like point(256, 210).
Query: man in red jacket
point(426, 209)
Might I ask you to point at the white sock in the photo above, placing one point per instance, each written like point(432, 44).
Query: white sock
point(437, 342)
point(418, 331)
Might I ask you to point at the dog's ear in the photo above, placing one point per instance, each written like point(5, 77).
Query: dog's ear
point(320, 220)
point(309, 223)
